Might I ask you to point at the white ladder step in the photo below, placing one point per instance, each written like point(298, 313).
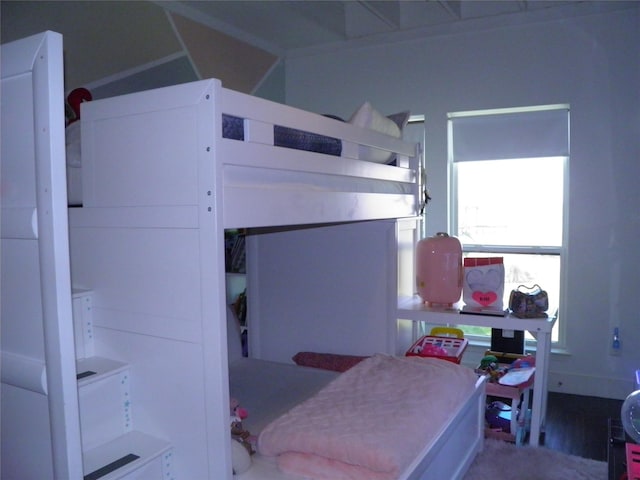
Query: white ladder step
point(94, 369)
point(133, 455)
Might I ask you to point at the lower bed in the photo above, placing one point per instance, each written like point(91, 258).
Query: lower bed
point(386, 418)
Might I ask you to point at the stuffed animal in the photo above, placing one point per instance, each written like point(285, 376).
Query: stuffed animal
point(237, 410)
point(241, 435)
point(241, 439)
point(240, 458)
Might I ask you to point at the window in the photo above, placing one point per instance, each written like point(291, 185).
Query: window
point(508, 187)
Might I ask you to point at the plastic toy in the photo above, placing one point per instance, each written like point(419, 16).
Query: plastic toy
point(498, 416)
point(489, 366)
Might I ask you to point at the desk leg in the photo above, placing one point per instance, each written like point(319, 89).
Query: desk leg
point(539, 407)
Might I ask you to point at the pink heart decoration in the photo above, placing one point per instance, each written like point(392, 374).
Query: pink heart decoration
point(485, 298)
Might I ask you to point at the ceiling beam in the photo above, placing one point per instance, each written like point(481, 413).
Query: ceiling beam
point(453, 7)
point(387, 11)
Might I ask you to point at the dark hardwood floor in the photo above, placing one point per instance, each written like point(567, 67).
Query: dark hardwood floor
point(577, 425)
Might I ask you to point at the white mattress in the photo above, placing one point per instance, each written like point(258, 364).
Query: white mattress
point(269, 389)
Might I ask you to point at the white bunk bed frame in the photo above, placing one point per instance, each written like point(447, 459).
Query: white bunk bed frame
point(158, 178)
point(160, 185)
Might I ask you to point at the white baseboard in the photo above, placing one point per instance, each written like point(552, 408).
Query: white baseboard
point(591, 386)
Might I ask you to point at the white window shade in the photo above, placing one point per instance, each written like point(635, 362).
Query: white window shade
point(525, 134)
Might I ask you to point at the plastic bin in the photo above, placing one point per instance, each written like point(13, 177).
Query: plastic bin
point(445, 348)
point(633, 461)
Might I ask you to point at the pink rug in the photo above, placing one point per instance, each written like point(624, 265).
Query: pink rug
point(504, 461)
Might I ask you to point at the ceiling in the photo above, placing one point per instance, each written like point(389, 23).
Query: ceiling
point(283, 26)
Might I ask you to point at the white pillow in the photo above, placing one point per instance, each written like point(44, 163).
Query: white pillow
point(72, 143)
point(234, 340)
point(368, 117)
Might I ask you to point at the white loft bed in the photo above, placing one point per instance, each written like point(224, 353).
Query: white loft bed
point(159, 186)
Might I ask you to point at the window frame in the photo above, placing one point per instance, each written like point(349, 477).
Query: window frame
point(561, 251)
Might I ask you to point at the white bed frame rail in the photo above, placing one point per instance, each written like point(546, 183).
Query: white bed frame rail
point(310, 187)
point(263, 185)
point(453, 451)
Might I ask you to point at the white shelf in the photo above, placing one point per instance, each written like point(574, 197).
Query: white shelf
point(147, 448)
point(79, 292)
point(102, 368)
point(413, 308)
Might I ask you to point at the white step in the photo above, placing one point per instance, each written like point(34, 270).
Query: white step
point(134, 455)
point(94, 369)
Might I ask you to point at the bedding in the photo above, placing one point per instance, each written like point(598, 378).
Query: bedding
point(368, 117)
point(267, 389)
point(371, 422)
point(233, 128)
point(74, 162)
point(365, 117)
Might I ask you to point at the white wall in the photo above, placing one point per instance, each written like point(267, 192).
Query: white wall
point(316, 289)
point(590, 61)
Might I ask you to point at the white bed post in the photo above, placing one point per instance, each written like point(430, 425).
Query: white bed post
point(213, 282)
point(53, 243)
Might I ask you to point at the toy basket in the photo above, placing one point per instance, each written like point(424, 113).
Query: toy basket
point(445, 348)
point(633, 461)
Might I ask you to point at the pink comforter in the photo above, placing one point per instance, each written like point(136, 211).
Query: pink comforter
point(371, 422)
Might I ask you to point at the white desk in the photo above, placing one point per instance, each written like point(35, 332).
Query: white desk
point(413, 308)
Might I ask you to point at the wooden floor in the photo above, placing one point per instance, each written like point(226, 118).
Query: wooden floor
point(577, 425)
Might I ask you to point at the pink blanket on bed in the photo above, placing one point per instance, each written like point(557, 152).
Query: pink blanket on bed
point(371, 422)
